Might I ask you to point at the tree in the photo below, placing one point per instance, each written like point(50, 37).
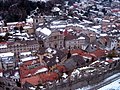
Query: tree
point(112, 54)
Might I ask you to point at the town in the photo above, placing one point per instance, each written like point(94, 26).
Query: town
point(75, 45)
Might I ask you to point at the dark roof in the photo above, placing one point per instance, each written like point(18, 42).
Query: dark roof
point(70, 37)
point(26, 85)
point(73, 62)
point(52, 61)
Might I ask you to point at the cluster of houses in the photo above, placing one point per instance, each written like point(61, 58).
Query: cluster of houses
point(73, 38)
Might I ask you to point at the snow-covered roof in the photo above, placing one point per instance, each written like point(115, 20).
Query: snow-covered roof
point(104, 34)
point(27, 27)
point(45, 31)
point(64, 75)
point(92, 29)
point(7, 54)
point(58, 22)
point(86, 21)
point(41, 70)
point(25, 38)
point(28, 58)
point(107, 21)
point(55, 9)
point(25, 53)
point(2, 34)
point(118, 38)
point(75, 72)
point(58, 26)
point(3, 45)
point(32, 88)
point(111, 26)
point(81, 37)
point(50, 50)
point(86, 68)
point(69, 30)
point(116, 58)
point(29, 20)
point(97, 27)
point(12, 23)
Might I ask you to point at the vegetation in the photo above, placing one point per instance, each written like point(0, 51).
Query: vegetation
point(17, 10)
point(112, 54)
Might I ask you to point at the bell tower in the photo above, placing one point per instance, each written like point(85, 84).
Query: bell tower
point(37, 20)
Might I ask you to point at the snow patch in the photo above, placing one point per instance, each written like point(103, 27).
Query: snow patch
point(41, 70)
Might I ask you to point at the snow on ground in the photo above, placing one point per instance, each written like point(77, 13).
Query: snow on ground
point(112, 86)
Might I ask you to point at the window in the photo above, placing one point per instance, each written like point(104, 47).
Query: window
point(55, 37)
point(87, 60)
point(115, 63)
point(110, 66)
point(55, 45)
point(36, 21)
point(60, 42)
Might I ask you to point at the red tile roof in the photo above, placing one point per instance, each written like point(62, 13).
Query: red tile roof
point(3, 42)
point(99, 53)
point(36, 79)
point(25, 72)
point(61, 68)
point(109, 61)
point(116, 10)
point(80, 52)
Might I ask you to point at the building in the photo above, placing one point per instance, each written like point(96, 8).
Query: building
point(20, 46)
point(55, 40)
point(7, 61)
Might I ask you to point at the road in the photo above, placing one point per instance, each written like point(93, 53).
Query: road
point(104, 83)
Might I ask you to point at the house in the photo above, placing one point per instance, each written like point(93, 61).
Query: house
point(20, 46)
point(40, 78)
point(29, 29)
point(7, 84)
point(107, 43)
point(51, 56)
point(91, 47)
point(99, 53)
point(7, 60)
point(9, 26)
point(73, 62)
point(31, 67)
point(12, 74)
